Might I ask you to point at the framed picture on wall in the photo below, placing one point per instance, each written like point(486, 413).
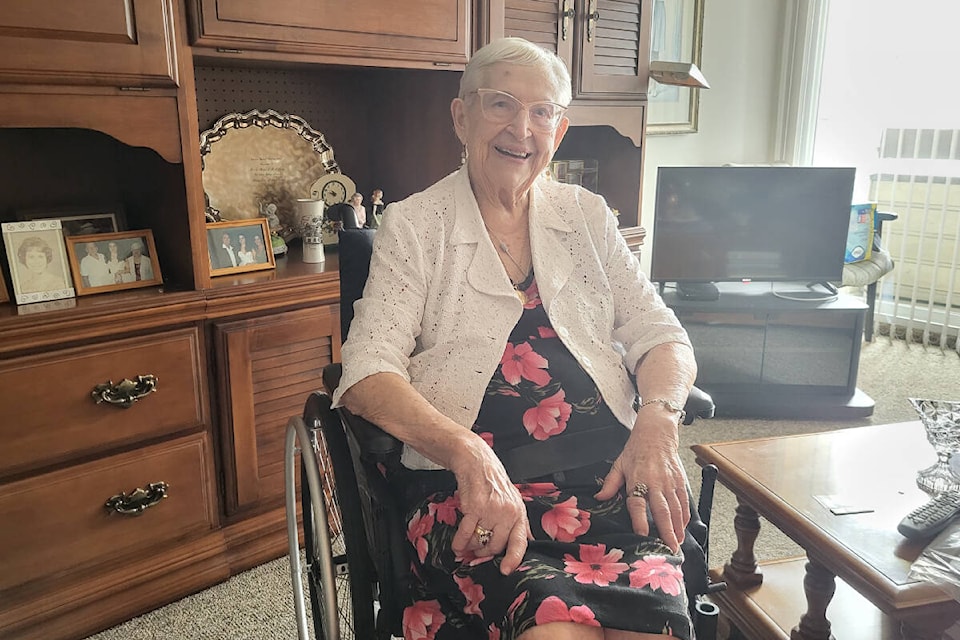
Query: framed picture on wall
point(676, 35)
point(113, 261)
point(239, 245)
point(38, 262)
point(80, 221)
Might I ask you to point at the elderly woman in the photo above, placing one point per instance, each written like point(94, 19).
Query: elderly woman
point(504, 335)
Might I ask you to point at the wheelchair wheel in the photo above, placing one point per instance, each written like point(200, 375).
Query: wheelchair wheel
point(353, 574)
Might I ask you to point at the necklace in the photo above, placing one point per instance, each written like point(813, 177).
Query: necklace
point(506, 251)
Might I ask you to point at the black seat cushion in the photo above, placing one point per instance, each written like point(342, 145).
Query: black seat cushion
point(356, 246)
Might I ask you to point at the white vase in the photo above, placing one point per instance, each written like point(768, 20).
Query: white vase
point(313, 252)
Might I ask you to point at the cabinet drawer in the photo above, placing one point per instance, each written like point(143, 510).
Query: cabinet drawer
point(104, 42)
point(57, 522)
point(424, 32)
point(51, 416)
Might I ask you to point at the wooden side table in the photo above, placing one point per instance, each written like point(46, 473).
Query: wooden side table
point(792, 482)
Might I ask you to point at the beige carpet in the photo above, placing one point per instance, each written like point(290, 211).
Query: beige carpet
point(257, 605)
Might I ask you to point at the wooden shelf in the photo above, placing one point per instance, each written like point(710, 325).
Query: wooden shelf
point(770, 611)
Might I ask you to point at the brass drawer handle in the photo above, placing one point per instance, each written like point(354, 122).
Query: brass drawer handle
point(592, 18)
point(138, 500)
point(565, 17)
point(126, 392)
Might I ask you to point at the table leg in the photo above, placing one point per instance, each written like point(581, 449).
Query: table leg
point(819, 586)
point(742, 570)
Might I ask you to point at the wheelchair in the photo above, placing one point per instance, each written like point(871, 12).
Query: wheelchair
point(357, 569)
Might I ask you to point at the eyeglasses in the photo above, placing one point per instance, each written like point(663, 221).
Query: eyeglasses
point(499, 107)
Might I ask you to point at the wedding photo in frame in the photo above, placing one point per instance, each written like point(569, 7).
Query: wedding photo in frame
point(113, 261)
point(238, 246)
point(676, 35)
point(38, 262)
point(79, 221)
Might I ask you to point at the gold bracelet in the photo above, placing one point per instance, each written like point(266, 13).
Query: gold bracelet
point(669, 404)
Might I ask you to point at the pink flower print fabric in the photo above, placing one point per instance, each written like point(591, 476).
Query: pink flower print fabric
point(584, 564)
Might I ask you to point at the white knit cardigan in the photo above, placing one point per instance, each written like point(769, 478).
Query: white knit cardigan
point(438, 306)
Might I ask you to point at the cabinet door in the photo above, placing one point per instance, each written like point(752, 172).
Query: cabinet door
point(427, 32)
point(267, 367)
point(605, 43)
point(540, 21)
point(615, 48)
point(104, 42)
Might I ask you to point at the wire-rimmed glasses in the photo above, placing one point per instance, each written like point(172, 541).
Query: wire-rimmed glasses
point(499, 107)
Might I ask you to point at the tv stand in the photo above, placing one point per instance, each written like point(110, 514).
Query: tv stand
point(762, 355)
point(698, 291)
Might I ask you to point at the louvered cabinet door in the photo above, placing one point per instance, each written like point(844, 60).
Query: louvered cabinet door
point(605, 43)
point(538, 21)
point(615, 47)
point(266, 368)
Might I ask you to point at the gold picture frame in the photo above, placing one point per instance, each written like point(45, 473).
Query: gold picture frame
point(39, 265)
point(676, 36)
point(105, 262)
point(243, 255)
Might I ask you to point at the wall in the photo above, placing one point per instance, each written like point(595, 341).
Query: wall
point(741, 60)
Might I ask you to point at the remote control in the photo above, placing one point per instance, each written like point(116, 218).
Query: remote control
point(931, 518)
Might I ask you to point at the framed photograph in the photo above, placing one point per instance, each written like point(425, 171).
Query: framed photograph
point(113, 261)
point(239, 245)
point(676, 36)
point(82, 221)
point(38, 262)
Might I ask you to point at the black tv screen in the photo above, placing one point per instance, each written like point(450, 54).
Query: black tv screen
point(723, 224)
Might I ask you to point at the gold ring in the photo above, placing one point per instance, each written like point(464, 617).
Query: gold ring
point(483, 535)
point(640, 490)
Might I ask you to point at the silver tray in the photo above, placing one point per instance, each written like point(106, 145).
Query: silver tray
point(255, 159)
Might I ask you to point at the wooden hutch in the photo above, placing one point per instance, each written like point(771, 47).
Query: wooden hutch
point(103, 101)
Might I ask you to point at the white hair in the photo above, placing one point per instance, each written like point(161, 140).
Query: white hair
point(520, 52)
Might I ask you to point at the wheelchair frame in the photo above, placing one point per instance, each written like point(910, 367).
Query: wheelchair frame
point(372, 580)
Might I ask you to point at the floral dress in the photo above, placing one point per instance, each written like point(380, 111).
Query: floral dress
point(585, 564)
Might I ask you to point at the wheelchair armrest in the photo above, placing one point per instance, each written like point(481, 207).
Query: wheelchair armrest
point(699, 405)
point(372, 440)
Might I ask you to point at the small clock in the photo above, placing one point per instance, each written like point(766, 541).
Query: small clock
point(333, 188)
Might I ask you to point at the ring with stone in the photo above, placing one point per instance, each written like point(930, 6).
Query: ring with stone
point(640, 490)
point(483, 535)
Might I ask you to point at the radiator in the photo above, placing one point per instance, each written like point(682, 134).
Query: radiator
point(919, 179)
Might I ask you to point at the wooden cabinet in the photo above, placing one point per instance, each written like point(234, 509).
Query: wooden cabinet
point(267, 366)
point(235, 356)
point(64, 456)
point(606, 43)
point(102, 42)
point(415, 33)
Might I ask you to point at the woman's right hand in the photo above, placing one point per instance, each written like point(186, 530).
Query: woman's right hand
point(489, 500)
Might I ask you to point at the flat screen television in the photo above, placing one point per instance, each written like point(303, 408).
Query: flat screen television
point(728, 224)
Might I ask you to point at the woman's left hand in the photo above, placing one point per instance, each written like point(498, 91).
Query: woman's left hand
point(651, 457)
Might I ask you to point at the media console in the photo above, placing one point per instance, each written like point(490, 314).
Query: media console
point(762, 355)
